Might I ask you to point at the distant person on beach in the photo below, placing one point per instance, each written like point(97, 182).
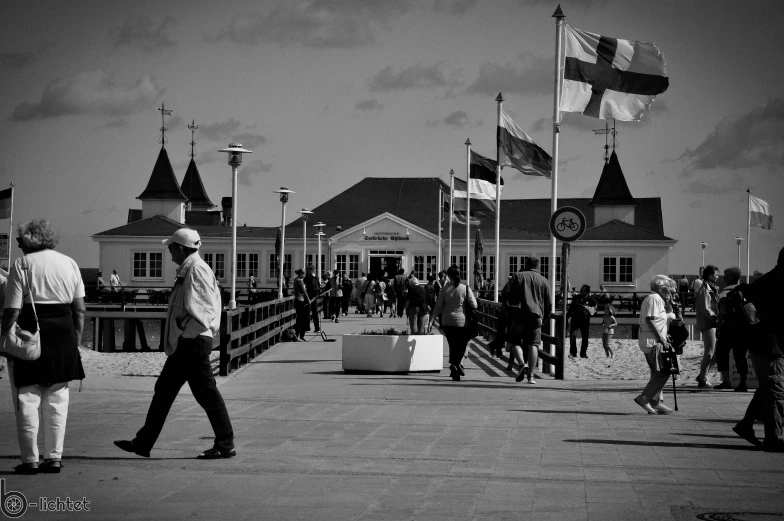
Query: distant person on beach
point(767, 356)
point(114, 281)
point(583, 305)
point(52, 282)
point(192, 321)
point(608, 328)
point(100, 283)
point(653, 342)
point(707, 303)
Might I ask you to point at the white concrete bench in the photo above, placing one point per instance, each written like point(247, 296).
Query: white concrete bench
point(393, 354)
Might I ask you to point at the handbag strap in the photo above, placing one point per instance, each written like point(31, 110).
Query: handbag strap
point(30, 289)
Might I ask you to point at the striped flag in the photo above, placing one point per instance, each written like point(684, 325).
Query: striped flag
point(5, 203)
point(759, 213)
point(520, 151)
point(483, 186)
point(610, 78)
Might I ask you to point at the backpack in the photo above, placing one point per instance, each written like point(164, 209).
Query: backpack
point(736, 309)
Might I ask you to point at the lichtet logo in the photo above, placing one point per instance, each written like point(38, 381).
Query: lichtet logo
point(14, 504)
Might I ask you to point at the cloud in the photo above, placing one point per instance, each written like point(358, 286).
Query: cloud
point(100, 210)
point(17, 60)
point(755, 138)
point(697, 204)
point(735, 183)
point(456, 7)
point(369, 105)
point(253, 169)
point(316, 23)
point(117, 123)
point(248, 140)
point(141, 33)
point(91, 92)
point(457, 119)
point(219, 131)
point(526, 74)
point(415, 76)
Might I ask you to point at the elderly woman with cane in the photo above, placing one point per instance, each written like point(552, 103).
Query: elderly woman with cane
point(653, 343)
point(45, 291)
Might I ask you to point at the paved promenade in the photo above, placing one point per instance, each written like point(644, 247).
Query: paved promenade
point(314, 443)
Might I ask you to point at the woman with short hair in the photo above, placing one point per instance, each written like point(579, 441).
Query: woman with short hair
point(53, 282)
point(653, 342)
point(450, 305)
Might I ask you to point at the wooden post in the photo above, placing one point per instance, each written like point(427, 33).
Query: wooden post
point(108, 335)
point(129, 334)
point(565, 250)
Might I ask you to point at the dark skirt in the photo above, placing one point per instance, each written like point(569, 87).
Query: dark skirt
point(60, 360)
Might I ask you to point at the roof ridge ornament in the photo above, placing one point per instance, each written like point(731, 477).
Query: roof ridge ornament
point(607, 132)
point(164, 113)
point(193, 127)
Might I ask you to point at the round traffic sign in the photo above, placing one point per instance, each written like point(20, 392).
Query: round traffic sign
point(567, 224)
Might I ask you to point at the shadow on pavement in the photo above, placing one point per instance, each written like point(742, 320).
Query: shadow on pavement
point(667, 444)
point(597, 413)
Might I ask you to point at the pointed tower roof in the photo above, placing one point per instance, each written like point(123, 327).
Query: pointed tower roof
point(162, 183)
point(193, 188)
point(612, 189)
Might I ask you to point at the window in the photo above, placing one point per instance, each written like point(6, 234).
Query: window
point(247, 265)
point(353, 266)
point(242, 266)
point(544, 268)
point(311, 259)
point(216, 261)
point(431, 263)
point(148, 265)
point(419, 266)
point(517, 263)
point(273, 266)
point(618, 269)
point(461, 265)
point(488, 267)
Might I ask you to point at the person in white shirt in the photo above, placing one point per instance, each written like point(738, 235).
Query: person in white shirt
point(114, 281)
point(193, 319)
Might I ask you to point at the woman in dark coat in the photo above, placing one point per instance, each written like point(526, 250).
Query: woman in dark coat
point(53, 282)
point(301, 304)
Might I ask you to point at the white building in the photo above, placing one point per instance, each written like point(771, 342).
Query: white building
point(381, 224)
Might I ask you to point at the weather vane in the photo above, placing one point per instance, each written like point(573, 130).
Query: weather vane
point(164, 113)
point(193, 126)
point(607, 132)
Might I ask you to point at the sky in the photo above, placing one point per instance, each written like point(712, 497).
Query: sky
point(327, 92)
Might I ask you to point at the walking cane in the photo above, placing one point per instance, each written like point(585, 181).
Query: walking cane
point(674, 395)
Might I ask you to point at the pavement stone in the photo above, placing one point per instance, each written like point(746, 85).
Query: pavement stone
point(315, 443)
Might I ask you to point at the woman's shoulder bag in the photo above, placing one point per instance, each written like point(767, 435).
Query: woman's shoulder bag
point(471, 318)
point(19, 343)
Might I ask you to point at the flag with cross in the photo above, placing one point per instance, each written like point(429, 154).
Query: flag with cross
point(610, 78)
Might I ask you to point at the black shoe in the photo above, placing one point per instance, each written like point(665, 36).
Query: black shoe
point(747, 433)
point(214, 453)
point(454, 373)
point(722, 386)
point(460, 368)
point(27, 469)
point(583, 356)
point(50, 466)
point(773, 446)
point(128, 446)
point(522, 374)
point(317, 330)
point(741, 388)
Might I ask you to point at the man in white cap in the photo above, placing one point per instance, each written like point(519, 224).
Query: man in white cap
point(192, 320)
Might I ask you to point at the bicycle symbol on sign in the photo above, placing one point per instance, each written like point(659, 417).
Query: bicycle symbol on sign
point(561, 226)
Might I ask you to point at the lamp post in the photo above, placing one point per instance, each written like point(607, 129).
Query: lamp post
point(284, 198)
point(320, 234)
point(738, 240)
point(703, 244)
point(305, 213)
point(235, 152)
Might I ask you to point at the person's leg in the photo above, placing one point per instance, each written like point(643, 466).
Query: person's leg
point(54, 414)
point(314, 315)
point(27, 403)
point(574, 325)
point(450, 332)
point(756, 408)
point(412, 321)
point(533, 360)
point(173, 376)
point(606, 343)
point(708, 346)
point(422, 323)
point(723, 360)
point(205, 391)
point(654, 390)
point(584, 331)
point(739, 354)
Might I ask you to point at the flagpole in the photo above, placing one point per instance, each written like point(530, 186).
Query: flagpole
point(748, 236)
point(451, 215)
point(11, 228)
point(500, 100)
point(559, 21)
point(468, 212)
point(440, 218)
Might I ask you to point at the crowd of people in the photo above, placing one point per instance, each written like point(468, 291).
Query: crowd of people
point(44, 292)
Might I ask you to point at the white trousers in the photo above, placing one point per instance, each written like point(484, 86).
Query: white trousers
point(52, 402)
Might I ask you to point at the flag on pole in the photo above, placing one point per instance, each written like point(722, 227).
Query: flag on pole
point(759, 213)
point(610, 78)
point(459, 217)
point(5, 203)
point(483, 187)
point(520, 151)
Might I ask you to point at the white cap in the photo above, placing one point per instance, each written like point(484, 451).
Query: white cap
point(185, 237)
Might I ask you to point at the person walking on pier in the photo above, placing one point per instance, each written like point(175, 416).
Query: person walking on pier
point(192, 320)
point(580, 310)
point(313, 286)
point(301, 304)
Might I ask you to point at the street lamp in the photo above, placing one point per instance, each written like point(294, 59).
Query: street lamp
point(284, 198)
point(320, 234)
point(305, 213)
point(703, 244)
point(738, 240)
point(235, 152)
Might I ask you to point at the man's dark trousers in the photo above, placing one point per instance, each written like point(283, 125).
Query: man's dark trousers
point(768, 400)
point(314, 314)
point(189, 363)
point(581, 323)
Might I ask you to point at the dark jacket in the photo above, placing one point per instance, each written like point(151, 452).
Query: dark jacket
point(312, 286)
point(767, 294)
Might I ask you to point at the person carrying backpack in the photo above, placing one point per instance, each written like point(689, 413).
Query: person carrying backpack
point(728, 333)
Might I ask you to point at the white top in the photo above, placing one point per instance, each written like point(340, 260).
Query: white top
point(652, 306)
point(55, 279)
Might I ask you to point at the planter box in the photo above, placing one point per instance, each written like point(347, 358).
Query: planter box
point(393, 354)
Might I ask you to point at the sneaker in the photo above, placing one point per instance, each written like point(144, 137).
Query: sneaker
point(522, 374)
point(747, 433)
point(214, 453)
point(643, 402)
point(531, 381)
point(662, 409)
